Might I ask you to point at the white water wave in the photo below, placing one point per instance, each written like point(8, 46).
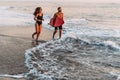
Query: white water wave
point(19, 76)
point(66, 58)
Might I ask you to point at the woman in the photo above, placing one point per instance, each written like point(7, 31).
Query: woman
point(38, 17)
point(58, 15)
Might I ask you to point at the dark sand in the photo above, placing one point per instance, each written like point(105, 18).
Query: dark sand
point(13, 43)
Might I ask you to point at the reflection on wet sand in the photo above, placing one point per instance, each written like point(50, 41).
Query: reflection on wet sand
point(35, 43)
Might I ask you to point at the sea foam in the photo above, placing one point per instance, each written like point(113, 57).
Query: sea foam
point(69, 57)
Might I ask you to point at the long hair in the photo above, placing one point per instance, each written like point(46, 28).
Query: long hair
point(37, 10)
point(58, 8)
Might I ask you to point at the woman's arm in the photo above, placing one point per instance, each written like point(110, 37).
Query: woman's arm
point(35, 18)
point(42, 17)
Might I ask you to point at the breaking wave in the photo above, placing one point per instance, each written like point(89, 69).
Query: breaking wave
point(72, 58)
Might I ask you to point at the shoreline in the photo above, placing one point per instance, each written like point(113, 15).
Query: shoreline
point(14, 46)
point(13, 59)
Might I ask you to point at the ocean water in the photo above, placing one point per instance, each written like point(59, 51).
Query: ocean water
point(88, 50)
point(12, 18)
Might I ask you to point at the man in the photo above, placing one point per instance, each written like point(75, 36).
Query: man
point(58, 22)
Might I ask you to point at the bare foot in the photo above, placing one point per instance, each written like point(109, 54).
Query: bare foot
point(33, 36)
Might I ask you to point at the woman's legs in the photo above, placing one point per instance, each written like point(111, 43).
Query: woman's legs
point(35, 31)
point(39, 29)
point(33, 34)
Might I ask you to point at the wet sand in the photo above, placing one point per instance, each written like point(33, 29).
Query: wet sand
point(13, 43)
point(10, 79)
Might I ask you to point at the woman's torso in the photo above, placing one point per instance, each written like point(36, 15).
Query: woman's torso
point(39, 18)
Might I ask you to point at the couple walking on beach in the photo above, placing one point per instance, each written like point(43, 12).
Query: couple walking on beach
point(57, 22)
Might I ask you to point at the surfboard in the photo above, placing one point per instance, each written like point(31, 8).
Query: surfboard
point(56, 22)
point(51, 22)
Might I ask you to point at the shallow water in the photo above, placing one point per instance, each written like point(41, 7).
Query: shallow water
point(75, 58)
point(11, 18)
